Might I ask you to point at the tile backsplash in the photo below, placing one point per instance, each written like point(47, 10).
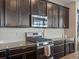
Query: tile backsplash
point(8, 35)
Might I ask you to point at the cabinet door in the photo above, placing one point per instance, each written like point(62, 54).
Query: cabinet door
point(66, 17)
point(1, 13)
point(11, 12)
point(31, 55)
point(24, 13)
point(58, 49)
point(42, 8)
point(59, 55)
point(72, 47)
point(66, 48)
point(52, 13)
point(3, 55)
point(34, 7)
point(38, 7)
point(61, 17)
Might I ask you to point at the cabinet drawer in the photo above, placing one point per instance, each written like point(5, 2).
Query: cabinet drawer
point(58, 42)
point(3, 58)
point(58, 49)
point(59, 55)
point(21, 50)
point(16, 57)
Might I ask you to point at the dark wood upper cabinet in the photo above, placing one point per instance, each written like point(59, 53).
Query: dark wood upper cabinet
point(11, 13)
point(58, 16)
point(24, 12)
point(61, 17)
point(42, 8)
point(17, 13)
point(1, 13)
point(34, 7)
point(52, 14)
point(66, 19)
point(38, 7)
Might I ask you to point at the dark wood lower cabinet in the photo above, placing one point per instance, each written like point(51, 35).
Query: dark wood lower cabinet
point(3, 54)
point(31, 55)
point(59, 48)
point(27, 55)
point(67, 48)
point(22, 53)
point(72, 47)
point(59, 55)
point(57, 51)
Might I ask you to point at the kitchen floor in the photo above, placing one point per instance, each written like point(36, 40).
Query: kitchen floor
point(71, 56)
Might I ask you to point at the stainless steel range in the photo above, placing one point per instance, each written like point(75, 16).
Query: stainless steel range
point(42, 43)
point(38, 38)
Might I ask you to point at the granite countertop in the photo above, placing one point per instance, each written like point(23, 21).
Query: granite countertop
point(23, 44)
point(16, 45)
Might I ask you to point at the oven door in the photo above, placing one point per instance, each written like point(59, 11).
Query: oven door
point(45, 52)
point(40, 53)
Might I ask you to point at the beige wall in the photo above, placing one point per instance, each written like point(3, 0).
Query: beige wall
point(72, 20)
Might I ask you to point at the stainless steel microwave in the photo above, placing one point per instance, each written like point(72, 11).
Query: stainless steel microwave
point(39, 21)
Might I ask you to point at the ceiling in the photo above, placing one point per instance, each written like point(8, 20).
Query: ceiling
point(64, 1)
